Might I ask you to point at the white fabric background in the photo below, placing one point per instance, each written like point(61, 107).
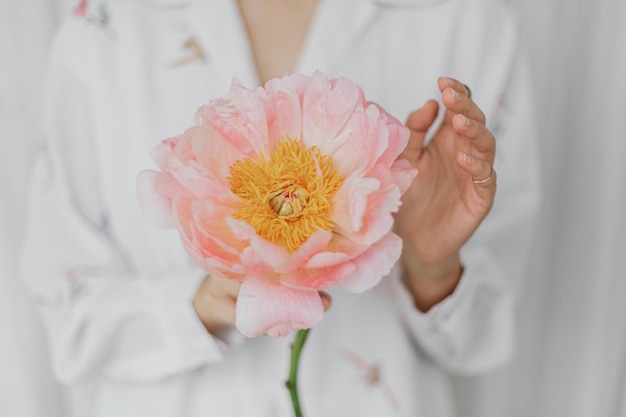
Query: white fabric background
point(27, 388)
point(572, 347)
point(572, 359)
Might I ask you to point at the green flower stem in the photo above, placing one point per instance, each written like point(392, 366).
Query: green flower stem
point(292, 382)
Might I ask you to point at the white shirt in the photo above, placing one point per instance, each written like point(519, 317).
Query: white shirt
point(116, 293)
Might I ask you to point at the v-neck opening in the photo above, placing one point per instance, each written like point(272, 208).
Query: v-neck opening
point(334, 27)
point(308, 21)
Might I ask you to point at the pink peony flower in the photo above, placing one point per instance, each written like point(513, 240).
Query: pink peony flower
point(289, 189)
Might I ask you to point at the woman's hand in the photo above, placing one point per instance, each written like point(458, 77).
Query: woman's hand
point(450, 196)
point(215, 303)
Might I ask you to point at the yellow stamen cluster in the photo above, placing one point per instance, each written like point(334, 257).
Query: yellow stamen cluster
point(287, 197)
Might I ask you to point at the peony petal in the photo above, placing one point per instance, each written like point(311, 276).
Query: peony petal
point(239, 117)
point(316, 243)
point(211, 234)
point(167, 186)
point(240, 229)
point(177, 157)
point(203, 248)
point(259, 251)
point(210, 219)
point(177, 148)
point(273, 254)
point(398, 137)
point(215, 256)
point(209, 247)
point(326, 259)
point(214, 154)
point(351, 201)
point(326, 107)
point(155, 208)
point(163, 152)
point(264, 306)
point(378, 218)
point(343, 244)
point(255, 263)
point(403, 174)
point(194, 178)
point(318, 278)
point(282, 109)
point(364, 140)
point(374, 263)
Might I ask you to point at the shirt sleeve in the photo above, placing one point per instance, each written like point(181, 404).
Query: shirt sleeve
point(473, 330)
point(104, 317)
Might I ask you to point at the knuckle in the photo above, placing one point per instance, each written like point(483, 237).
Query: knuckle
point(483, 118)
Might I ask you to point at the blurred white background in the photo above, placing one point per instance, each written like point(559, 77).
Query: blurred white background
point(27, 388)
point(572, 347)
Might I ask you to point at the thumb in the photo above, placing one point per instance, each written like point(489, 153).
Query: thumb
point(419, 122)
point(326, 300)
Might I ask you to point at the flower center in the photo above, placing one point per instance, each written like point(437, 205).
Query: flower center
point(288, 196)
point(289, 203)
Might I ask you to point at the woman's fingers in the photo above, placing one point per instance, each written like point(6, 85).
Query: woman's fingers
point(223, 288)
point(444, 82)
point(480, 137)
point(456, 98)
point(419, 122)
point(326, 300)
point(481, 171)
point(215, 302)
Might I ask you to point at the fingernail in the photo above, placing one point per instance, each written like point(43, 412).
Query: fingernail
point(449, 81)
point(468, 158)
point(466, 121)
point(455, 95)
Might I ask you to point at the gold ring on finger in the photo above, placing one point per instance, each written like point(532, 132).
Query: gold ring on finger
point(484, 180)
point(469, 90)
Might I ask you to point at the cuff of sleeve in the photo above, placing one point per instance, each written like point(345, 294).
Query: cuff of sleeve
point(186, 344)
point(470, 331)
